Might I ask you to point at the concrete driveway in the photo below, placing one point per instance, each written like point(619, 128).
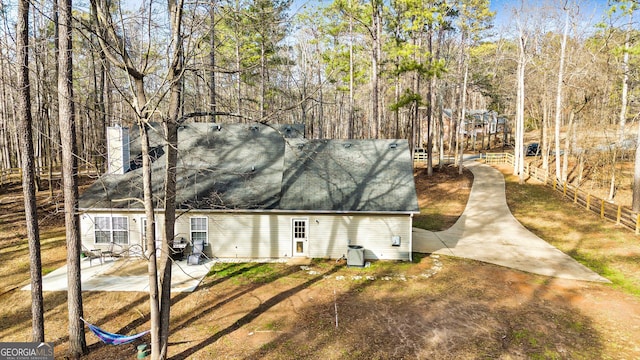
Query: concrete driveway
point(488, 232)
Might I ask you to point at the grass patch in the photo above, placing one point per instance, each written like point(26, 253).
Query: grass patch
point(601, 246)
point(442, 197)
point(433, 221)
point(602, 267)
point(247, 272)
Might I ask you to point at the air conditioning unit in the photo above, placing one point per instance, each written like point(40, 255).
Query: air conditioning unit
point(355, 256)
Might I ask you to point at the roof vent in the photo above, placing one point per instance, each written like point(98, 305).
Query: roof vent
point(288, 128)
point(300, 145)
point(347, 145)
point(254, 128)
point(216, 127)
point(393, 145)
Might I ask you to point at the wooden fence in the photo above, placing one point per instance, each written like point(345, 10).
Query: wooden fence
point(619, 214)
point(422, 157)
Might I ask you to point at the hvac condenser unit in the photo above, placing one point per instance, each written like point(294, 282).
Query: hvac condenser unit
point(355, 256)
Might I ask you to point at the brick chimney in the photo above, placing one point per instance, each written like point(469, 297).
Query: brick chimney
point(118, 149)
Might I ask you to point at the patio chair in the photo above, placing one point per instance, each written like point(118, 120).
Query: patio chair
point(196, 252)
point(112, 252)
point(93, 254)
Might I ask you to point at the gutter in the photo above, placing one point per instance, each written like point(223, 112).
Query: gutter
point(257, 211)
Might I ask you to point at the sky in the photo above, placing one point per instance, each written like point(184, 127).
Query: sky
point(590, 10)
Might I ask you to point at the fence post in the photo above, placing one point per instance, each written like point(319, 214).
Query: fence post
point(588, 201)
point(564, 191)
point(638, 224)
point(575, 196)
point(555, 183)
point(619, 214)
point(602, 209)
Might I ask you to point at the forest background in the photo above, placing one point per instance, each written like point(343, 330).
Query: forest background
point(346, 69)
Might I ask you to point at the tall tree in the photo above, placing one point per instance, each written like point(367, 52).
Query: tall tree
point(176, 80)
point(523, 38)
point(114, 45)
point(25, 134)
point(66, 109)
point(558, 112)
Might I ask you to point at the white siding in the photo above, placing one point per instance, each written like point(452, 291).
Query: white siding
point(270, 236)
point(329, 236)
point(243, 235)
point(87, 228)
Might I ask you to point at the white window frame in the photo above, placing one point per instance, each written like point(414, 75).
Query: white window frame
point(112, 230)
point(300, 233)
point(193, 231)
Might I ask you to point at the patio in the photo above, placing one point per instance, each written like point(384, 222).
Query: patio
point(127, 274)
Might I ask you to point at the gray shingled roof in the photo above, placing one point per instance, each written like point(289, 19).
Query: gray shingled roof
point(267, 167)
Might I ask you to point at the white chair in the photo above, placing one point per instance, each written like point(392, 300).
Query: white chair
point(196, 252)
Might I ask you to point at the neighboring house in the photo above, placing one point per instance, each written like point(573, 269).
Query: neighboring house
point(478, 124)
point(260, 191)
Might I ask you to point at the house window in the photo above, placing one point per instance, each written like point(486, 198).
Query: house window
point(199, 229)
point(299, 229)
point(112, 229)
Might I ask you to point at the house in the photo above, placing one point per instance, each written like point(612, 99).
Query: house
point(478, 124)
point(260, 191)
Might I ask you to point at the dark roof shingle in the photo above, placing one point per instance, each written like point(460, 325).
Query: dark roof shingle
point(268, 167)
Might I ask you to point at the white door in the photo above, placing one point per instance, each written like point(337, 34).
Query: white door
point(299, 229)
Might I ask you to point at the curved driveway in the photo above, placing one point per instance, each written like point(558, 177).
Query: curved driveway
point(487, 231)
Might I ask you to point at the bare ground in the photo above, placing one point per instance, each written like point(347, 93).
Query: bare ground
point(435, 308)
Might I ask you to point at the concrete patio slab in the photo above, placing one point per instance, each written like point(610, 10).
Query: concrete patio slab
point(103, 277)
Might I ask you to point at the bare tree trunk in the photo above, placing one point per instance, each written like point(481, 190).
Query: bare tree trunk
point(563, 47)
point(635, 205)
point(519, 147)
point(612, 183)
point(430, 109)
point(441, 132)
point(77, 342)
point(263, 80)
point(176, 80)
point(375, 57)
point(567, 143)
point(625, 81)
point(463, 111)
point(25, 134)
point(351, 131)
point(150, 232)
point(212, 62)
point(544, 146)
point(238, 64)
point(139, 104)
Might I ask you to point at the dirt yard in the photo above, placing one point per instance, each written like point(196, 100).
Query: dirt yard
point(433, 308)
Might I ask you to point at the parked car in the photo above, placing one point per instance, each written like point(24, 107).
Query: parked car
point(533, 149)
